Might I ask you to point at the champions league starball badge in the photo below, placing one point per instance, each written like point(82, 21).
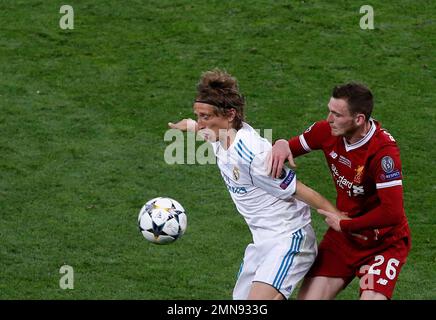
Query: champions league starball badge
point(387, 164)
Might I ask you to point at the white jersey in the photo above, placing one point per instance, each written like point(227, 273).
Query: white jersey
point(267, 204)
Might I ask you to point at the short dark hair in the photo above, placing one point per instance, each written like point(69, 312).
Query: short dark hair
point(220, 89)
point(358, 97)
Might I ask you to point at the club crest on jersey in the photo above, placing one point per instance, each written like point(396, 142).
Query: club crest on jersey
point(236, 173)
point(359, 174)
point(387, 164)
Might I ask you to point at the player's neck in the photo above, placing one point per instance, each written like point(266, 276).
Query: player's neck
point(227, 139)
point(359, 134)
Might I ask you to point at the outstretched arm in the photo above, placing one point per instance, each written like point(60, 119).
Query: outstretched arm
point(332, 215)
point(313, 198)
point(188, 125)
point(184, 125)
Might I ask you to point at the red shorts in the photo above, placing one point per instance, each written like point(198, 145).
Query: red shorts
point(377, 267)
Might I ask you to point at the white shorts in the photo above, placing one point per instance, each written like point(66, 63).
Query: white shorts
point(281, 263)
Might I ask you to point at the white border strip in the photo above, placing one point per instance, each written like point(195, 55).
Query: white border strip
point(304, 143)
point(389, 184)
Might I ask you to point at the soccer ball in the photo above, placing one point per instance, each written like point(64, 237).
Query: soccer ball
point(162, 220)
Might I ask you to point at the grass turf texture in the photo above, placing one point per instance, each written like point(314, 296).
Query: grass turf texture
point(84, 111)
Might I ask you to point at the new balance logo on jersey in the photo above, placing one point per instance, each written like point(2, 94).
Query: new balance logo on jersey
point(333, 154)
point(382, 281)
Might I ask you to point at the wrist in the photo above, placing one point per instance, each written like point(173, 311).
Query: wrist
point(344, 224)
point(281, 141)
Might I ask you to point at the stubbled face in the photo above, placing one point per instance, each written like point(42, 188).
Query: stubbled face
point(209, 124)
point(341, 122)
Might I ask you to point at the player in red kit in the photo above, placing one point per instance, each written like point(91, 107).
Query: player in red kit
point(371, 238)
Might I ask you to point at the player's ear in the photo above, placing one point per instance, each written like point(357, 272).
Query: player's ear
point(231, 114)
point(360, 119)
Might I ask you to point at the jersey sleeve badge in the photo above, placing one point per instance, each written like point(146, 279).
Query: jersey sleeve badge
point(388, 166)
point(288, 179)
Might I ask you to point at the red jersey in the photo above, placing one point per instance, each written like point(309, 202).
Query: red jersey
point(368, 179)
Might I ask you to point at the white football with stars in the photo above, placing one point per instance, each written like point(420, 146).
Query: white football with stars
point(162, 220)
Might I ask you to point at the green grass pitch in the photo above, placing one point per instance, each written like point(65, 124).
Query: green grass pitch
point(83, 114)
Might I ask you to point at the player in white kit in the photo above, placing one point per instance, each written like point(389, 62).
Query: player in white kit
point(284, 243)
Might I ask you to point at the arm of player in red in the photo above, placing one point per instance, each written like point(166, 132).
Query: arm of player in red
point(388, 213)
point(333, 219)
point(311, 139)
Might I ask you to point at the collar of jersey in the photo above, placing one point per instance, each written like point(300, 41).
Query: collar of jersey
point(237, 136)
point(361, 142)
